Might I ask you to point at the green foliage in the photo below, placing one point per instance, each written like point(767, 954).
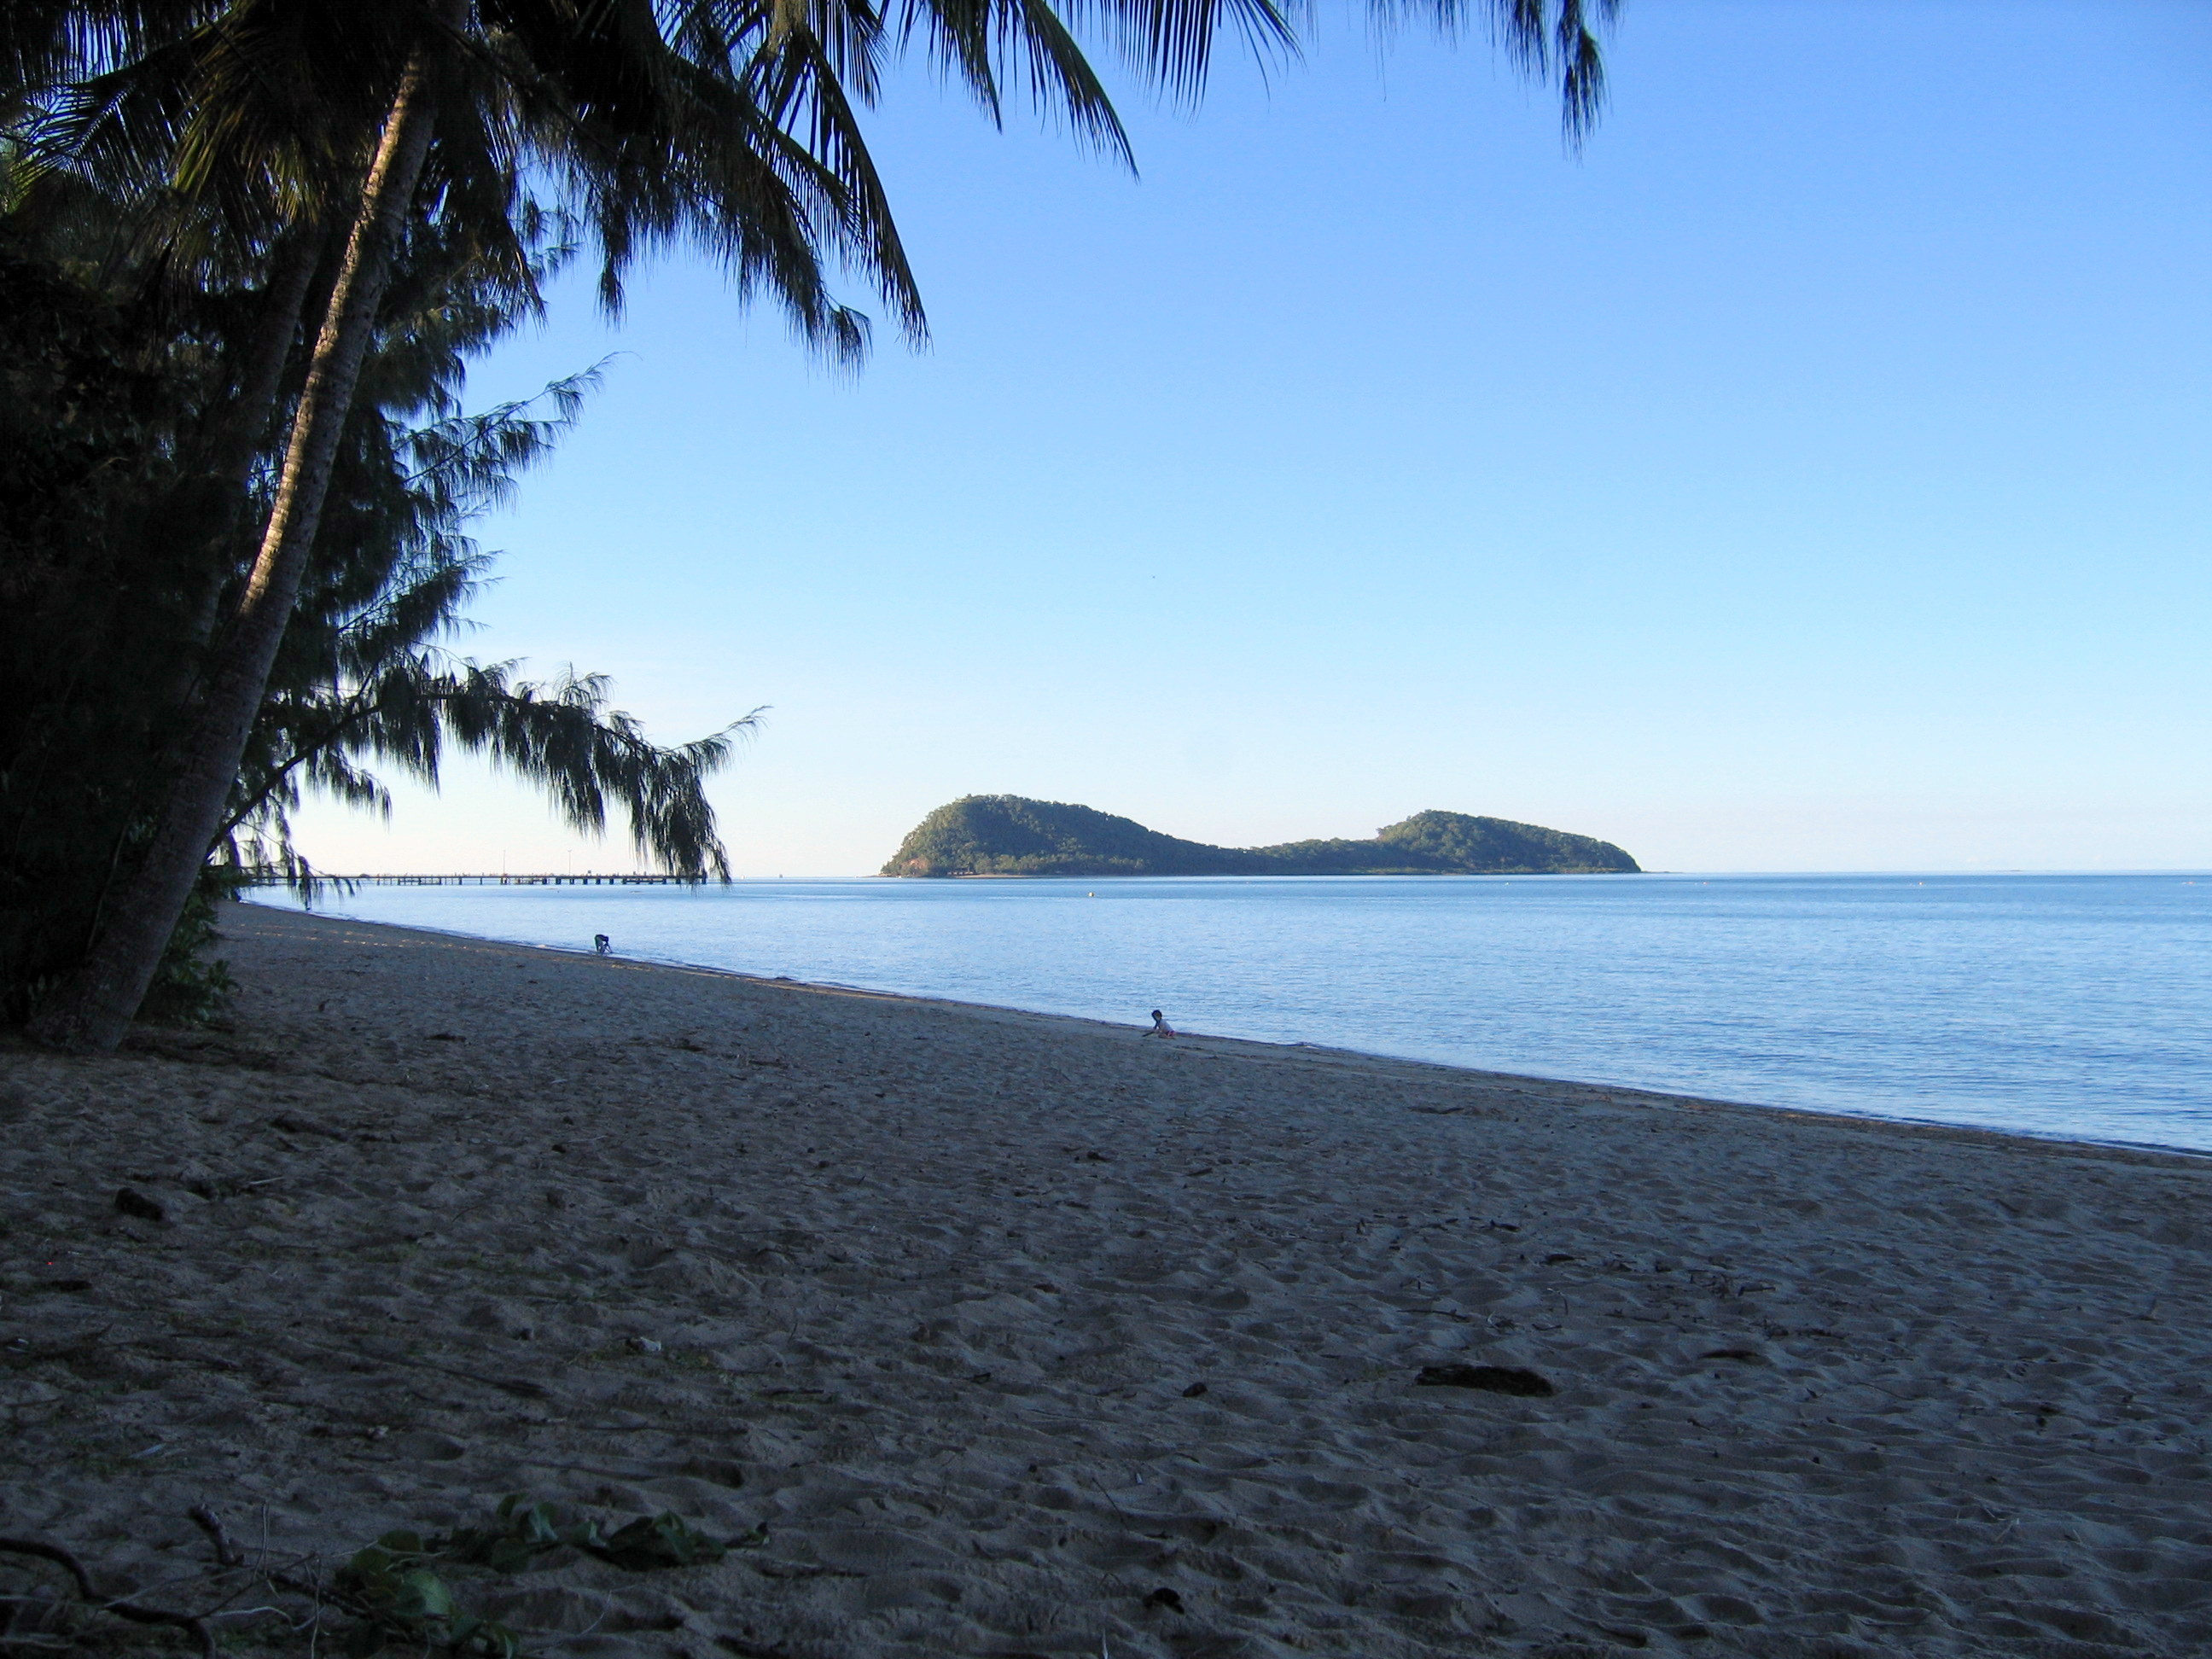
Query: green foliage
point(394, 1587)
point(522, 1531)
point(660, 1541)
point(1010, 836)
point(120, 550)
point(398, 1598)
point(1480, 846)
point(103, 540)
point(189, 989)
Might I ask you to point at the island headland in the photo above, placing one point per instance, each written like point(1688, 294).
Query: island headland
point(1013, 836)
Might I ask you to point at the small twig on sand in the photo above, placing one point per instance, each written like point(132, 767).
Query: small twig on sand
point(183, 1621)
point(226, 1554)
point(1109, 1497)
point(121, 1608)
point(57, 1554)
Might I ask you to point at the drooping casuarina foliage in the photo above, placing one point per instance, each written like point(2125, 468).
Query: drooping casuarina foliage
point(247, 247)
point(98, 648)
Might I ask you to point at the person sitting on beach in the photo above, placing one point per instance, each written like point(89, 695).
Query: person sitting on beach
point(603, 944)
point(1160, 1026)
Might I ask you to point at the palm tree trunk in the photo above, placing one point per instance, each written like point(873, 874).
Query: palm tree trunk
point(93, 1008)
point(228, 450)
point(240, 429)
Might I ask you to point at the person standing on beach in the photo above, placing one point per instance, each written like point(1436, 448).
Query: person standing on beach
point(603, 944)
point(1160, 1026)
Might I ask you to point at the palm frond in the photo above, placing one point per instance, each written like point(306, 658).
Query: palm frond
point(1545, 40)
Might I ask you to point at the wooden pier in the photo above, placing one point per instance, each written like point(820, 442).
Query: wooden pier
point(276, 879)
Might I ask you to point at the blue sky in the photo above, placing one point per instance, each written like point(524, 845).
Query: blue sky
point(1813, 475)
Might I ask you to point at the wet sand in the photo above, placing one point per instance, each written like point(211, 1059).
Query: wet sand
point(1021, 1335)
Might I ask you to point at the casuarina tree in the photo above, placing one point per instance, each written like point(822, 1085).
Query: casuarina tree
point(106, 406)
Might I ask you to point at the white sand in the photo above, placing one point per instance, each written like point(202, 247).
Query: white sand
point(932, 1282)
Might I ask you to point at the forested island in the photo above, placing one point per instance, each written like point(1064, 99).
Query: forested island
point(1013, 835)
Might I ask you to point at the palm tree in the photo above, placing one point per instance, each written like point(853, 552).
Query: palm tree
point(734, 122)
point(693, 132)
point(95, 1008)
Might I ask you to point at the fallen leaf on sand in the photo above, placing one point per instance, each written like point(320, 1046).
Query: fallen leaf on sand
point(1492, 1379)
point(137, 1204)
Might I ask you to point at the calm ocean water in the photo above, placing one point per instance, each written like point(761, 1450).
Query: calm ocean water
point(2054, 1005)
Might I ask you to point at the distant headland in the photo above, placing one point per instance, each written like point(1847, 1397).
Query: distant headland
point(1012, 835)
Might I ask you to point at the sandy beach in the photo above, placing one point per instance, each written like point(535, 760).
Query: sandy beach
point(992, 1334)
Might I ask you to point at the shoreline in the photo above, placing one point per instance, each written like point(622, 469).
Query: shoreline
point(1261, 1047)
point(985, 1331)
